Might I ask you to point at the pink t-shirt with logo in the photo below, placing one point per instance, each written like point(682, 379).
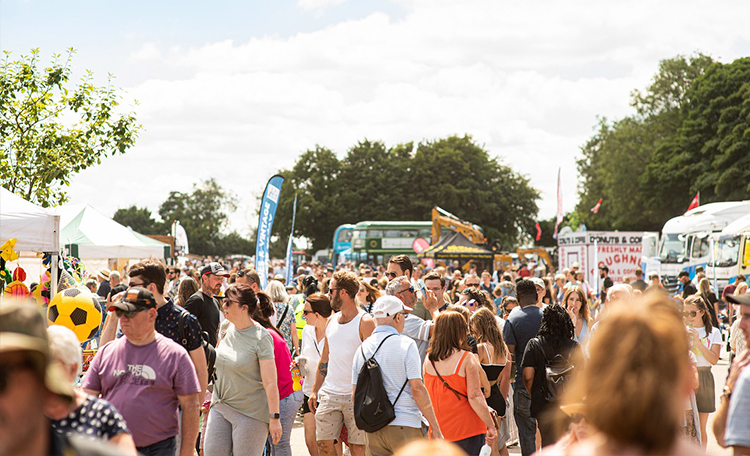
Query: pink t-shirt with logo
point(143, 383)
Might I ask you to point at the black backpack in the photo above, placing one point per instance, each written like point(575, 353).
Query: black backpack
point(372, 409)
point(208, 349)
point(558, 373)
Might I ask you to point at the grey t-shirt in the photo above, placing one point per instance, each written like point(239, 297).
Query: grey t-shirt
point(238, 382)
point(520, 327)
point(737, 432)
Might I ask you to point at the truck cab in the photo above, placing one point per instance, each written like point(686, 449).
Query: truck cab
point(686, 240)
point(730, 254)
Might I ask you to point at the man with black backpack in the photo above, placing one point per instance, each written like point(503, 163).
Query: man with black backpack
point(388, 392)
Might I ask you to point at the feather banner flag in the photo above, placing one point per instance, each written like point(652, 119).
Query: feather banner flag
point(559, 205)
point(265, 224)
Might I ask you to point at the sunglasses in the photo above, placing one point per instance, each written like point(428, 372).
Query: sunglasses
point(470, 303)
point(392, 275)
point(472, 284)
point(7, 369)
point(576, 418)
point(690, 314)
point(410, 289)
point(128, 313)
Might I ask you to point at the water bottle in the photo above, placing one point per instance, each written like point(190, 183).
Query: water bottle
point(296, 379)
point(486, 450)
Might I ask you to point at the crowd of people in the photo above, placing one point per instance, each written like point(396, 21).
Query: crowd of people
point(204, 358)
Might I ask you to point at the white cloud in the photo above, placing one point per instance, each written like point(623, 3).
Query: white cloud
point(526, 80)
point(147, 52)
point(318, 4)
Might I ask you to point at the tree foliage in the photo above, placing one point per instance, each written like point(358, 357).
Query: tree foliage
point(631, 163)
point(711, 152)
point(140, 220)
point(374, 182)
point(203, 214)
point(50, 129)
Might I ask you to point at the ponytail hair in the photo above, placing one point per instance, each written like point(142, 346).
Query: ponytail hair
point(700, 304)
point(263, 312)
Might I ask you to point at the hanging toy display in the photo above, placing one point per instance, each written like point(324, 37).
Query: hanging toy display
point(16, 287)
point(7, 254)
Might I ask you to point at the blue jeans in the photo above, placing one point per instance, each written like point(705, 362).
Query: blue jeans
point(288, 410)
point(164, 448)
point(525, 423)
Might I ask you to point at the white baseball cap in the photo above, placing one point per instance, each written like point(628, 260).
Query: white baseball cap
point(385, 306)
point(538, 282)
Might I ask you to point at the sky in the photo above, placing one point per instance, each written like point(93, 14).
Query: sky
point(237, 90)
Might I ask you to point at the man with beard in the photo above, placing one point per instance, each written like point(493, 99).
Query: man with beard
point(346, 330)
point(414, 327)
point(203, 303)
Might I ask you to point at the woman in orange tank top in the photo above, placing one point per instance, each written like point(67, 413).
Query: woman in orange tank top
point(451, 375)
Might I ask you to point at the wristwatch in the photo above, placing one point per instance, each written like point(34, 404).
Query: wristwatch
point(726, 393)
point(274, 416)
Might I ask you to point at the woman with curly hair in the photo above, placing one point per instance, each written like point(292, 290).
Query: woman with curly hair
point(553, 344)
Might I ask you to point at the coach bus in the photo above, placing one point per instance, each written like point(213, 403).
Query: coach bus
point(378, 241)
point(342, 243)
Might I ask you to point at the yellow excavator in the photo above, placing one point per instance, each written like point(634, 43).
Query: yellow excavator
point(539, 252)
point(442, 219)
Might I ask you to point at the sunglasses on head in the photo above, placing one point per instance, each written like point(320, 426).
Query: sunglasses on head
point(470, 303)
point(690, 313)
point(128, 313)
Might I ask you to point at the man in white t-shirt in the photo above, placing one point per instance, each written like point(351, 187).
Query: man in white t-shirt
point(401, 369)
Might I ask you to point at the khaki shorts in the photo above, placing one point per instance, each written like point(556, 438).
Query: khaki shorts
point(388, 440)
point(333, 412)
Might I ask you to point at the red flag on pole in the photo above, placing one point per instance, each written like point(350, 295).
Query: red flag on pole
point(538, 231)
point(695, 203)
point(595, 209)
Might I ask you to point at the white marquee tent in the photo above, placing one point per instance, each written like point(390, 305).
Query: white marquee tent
point(88, 234)
point(35, 228)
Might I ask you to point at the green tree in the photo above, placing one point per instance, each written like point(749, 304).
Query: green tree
point(711, 152)
point(234, 243)
point(50, 130)
point(139, 219)
point(374, 182)
point(203, 214)
point(314, 178)
point(458, 175)
point(615, 161)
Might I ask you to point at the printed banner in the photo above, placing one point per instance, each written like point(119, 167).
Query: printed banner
point(265, 224)
point(180, 239)
point(289, 265)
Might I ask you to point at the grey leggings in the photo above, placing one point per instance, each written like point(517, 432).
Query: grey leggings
point(230, 432)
